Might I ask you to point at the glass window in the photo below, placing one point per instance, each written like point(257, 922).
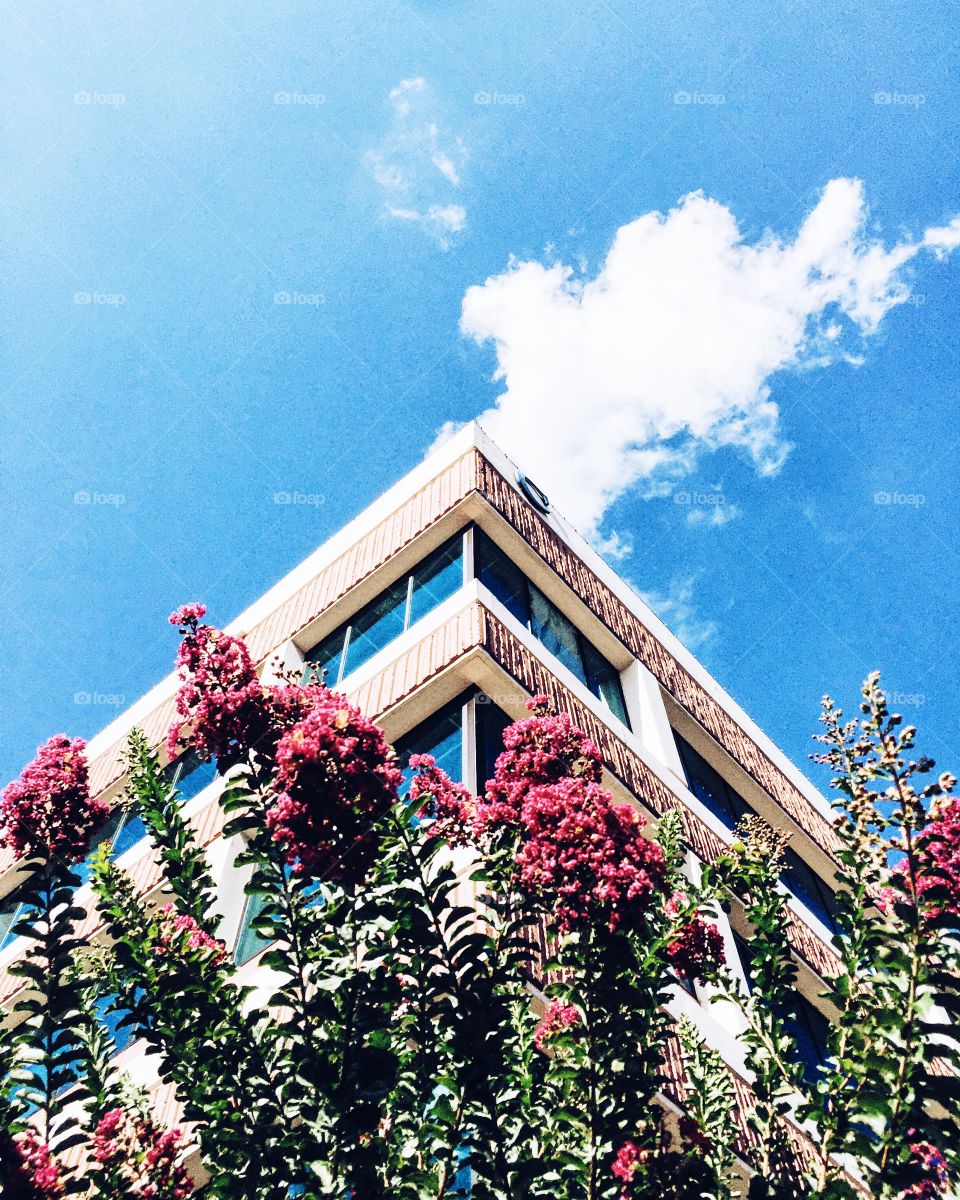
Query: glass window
point(810, 889)
point(503, 578)
point(805, 1022)
point(709, 787)
point(491, 722)
point(11, 913)
point(249, 941)
point(712, 790)
point(388, 615)
point(440, 735)
point(121, 830)
point(113, 1018)
point(190, 774)
point(548, 625)
point(437, 578)
point(375, 626)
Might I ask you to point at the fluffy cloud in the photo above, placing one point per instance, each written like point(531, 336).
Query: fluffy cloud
point(677, 610)
point(418, 170)
point(622, 380)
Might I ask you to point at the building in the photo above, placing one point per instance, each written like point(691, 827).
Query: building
point(439, 611)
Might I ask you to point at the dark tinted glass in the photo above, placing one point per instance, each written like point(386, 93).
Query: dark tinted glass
point(440, 735)
point(376, 625)
point(437, 577)
point(549, 626)
point(249, 941)
point(326, 656)
point(491, 722)
point(810, 1029)
point(810, 889)
point(603, 679)
point(190, 774)
point(503, 578)
point(10, 911)
point(710, 788)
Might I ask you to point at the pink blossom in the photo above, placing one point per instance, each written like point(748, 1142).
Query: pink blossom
point(695, 950)
point(628, 1161)
point(936, 1179)
point(145, 1157)
point(49, 811)
point(556, 1018)
point(449, 804)
point(584, 857)
point(224, 710)
point(40, 1166)
point(188, 614)
point(541, 749)
point(938, 856)
point(180, 932)
point(336, 775)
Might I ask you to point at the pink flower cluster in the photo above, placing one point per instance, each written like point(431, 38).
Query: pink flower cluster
point(556, 1018)
point(40, 1166)
point(542, 749)
point(630, 1158)
point(48, 811)
point(450, 806)
point(143, 1156)
point(585, 857)
point(936, 1180)
point(336, 775)
point(938, 854)
point(225, 711)
point(179, 932)
point(696, 948)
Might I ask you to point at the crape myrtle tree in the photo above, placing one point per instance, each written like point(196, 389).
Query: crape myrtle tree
point(407, 1035)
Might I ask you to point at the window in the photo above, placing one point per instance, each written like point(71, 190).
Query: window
point(388, 615)
point(12, 913)
point(122, 829)
point(440, 735)
point(190, 774)
point(806, 1024)
point(548, 625)
point(249, 941)
point(713, 791)
point(709, 787)
point(491, 722)
point(810, 889)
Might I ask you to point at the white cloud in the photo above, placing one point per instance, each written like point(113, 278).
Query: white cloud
point(676, 610)
point(623, 380)
point(417, 168)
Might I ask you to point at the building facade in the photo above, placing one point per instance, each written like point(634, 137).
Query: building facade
point(439, 611)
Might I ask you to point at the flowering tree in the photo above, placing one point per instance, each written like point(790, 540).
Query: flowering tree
point(466, 993)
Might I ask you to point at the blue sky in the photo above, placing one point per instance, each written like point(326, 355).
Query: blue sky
point(737, 381)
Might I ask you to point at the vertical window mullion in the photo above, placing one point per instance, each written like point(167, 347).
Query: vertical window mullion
point(408, 602)
point(343, 655)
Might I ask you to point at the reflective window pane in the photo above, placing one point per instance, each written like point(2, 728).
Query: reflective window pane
point(809, 888)
point(190, 774)
point(503, 578)
point(440, 735)
point(709, 786)
point(491, 722)
point(603, 679)
point(558, 635)
point(375, 626)
point(130, 831)
point(438, 577)
point(249, 941)
point(113, 1019)
point(326, 656)
point(11, 912)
